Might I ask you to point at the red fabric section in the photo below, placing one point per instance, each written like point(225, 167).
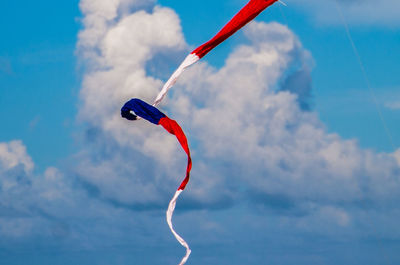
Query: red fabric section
point(173, 127)
point(245, 15)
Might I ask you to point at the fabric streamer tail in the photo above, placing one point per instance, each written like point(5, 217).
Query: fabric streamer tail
point(170, 212)
point(189, 60)
point(135, 108)
point(251, 10)
point(173, 127)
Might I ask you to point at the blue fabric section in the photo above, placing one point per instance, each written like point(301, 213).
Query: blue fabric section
point(141, 109)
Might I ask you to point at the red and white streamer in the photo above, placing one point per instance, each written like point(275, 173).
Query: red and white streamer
point(173, 128)
point(251, 10)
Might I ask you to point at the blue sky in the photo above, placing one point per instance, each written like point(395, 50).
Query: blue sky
point(316, 185)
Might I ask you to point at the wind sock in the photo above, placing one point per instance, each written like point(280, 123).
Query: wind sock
point(135, 108)
point(245, 15)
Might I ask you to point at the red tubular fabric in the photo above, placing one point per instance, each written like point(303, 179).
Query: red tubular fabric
point(245, 15)
point(173, 127)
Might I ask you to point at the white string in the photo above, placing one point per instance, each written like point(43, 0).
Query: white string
point(371, 90)
point(283, 15)
point(364, 72)
point(283, 3)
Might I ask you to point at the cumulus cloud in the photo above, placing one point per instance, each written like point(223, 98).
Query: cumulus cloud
point(283, 154)
point(14, 154)
point(249, 120)
point(359, 12)
point(254, 138)
point(53, 205)
point(15, 168)
point(263, 161)
point(124, 51)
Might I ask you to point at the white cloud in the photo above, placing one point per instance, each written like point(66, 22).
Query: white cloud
point(13, 154)
point(123, 52)
point(236, 116)
point(251, 141)
point(359, 12)
point(50, 205)
point(127, 45)
point(279, 150)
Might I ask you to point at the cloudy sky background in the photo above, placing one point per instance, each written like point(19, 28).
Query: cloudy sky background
point(292, 162)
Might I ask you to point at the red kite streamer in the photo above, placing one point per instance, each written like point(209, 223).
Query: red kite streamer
point(136, 108)
point(245, 15)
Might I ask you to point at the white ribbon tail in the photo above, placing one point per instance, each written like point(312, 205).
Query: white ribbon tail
point(170, 211)
point(189, 60)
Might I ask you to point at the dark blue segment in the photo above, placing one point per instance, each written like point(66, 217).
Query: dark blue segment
point(141, 109)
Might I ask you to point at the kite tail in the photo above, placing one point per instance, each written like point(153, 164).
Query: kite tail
point(189, 60)
point(135, 108)
point(173, 127)
point(251, 10)
point(170, 212)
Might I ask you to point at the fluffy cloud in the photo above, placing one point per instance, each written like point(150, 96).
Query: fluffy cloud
point(13, 154)
point(282, 154)
point(52, 205)
point(15, 168)
point(253, 138)
point(249, 123)
point(254, 135)
point(124, 51)
point(360, 12)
